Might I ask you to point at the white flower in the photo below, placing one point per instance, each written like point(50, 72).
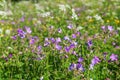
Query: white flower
point(7, 32)
point(97, 17)
point(91, 79)
point(74, 15)
point(9, 47)
point(118, 28)
point(41, 78)
point(88, 17)
point(45, 14)
point(62, 7)
point(79, 28)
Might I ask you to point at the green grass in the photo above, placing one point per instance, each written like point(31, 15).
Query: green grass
point(28, 63)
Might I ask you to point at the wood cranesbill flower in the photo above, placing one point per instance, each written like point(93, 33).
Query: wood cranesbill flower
point(14, 37)
point(110, 28)
point(70, 26)
point(114, 57)
point(58, 47)
point(94, 61)
point(28, 30)
point(80, 60)
point(21, 33)
point(72, 66)
point(74, 36)
point(32, 41)
point(67, 49)
point(58, 40)
point(52, 40)
point(80, 67)
point(89, 43)
point(66, 38)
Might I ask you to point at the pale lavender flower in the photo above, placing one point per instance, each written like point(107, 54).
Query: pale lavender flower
point(22, 19)
point(39, 48)
point(58, 40)
point(14, 37)
point(103, 27)
point(46, 39)
point(95, 60)
point(66, 38)
point(91, 66)
point(70, 26)
point(28, 29)
point(13, 23)
point(46, 43)
point(74, 53)
point(114, 57)
point(58, 47)
point(78, 33)
point(110, 28)
point(74, 36)
point(32, 41)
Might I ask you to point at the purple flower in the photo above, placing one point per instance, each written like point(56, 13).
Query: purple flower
point(72, 46)
point(53, 40)
point(14, 37)
point(28, 29)
point(78, 33)
point(39, 48)
point(46, 39)
point(104, 53)
point(67, 49)
point(13, 23)
point(89, 43)
point(60, 30)
point(103, 27)
point(32, 41)
point(66, 38)
point(95, 60)
point(74, 53)
point(21, 33)
point(10, 55)
point(22, 19)
point(74, 36)
point(110, 28)
point(114, 57)
point(70, 26)
point(80, 59)
point(75, 43)
point(79, 67)
point(58, 40)
point(46, 43)
point(72, 66)
point(91, 66)
point(6, 59)
point(58, 47)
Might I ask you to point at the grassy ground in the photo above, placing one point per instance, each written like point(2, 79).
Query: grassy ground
point(60, 40)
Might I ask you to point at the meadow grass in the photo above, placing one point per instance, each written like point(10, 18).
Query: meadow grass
point(60, 40)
